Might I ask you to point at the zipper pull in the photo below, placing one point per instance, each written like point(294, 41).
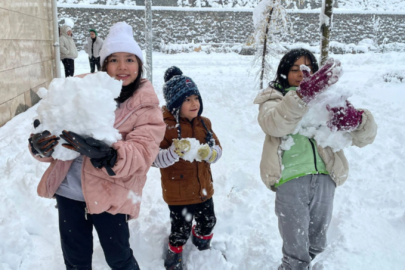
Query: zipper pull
point(85, 213)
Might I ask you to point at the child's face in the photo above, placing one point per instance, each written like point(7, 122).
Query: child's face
point(123, 67)
point(295, 74)
point(190, 107)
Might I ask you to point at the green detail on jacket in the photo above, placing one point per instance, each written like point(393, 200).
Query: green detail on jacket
point(292, 88)
point(301, 159)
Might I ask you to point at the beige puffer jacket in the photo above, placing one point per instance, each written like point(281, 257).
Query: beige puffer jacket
point(279, 116)
point(67, 45)
point(96, 47)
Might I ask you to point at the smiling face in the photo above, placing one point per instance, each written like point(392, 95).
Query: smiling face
point(295, 75)
point(123, 66)
point(190, 107)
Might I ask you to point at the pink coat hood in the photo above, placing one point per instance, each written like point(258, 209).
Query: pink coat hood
point(140, 122)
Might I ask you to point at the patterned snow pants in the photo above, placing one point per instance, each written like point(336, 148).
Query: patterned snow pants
point(181, 217)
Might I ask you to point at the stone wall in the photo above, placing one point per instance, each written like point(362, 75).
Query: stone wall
point(179, 26)
point(298, 4)
point(26, 52)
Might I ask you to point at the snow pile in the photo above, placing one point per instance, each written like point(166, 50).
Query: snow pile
point(16, 244)
point(83, 105)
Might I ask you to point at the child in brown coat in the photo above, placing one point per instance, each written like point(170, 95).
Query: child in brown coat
point(187, 186)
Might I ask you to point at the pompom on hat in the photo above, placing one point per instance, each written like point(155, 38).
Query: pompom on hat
point(177, 88)
point(120, 38)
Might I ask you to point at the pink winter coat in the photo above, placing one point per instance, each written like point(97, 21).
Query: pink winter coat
point(140, 122)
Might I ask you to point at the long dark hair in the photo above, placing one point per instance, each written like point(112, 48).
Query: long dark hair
point(288, 60)
point(129, 90)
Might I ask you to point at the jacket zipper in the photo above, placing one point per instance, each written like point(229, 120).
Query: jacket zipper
point(313, 151)
point(196, 164)
point(86, 209)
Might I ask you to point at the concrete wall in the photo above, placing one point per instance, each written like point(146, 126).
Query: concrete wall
point(26, 54)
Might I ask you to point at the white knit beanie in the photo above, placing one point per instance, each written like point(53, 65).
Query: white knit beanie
point(120, 38)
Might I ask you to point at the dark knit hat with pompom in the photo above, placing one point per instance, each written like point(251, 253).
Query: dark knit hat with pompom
point(177, 88)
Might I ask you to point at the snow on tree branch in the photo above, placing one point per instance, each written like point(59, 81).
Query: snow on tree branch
point(271, 25)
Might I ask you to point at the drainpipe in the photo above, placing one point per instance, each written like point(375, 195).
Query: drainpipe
point(56, 38)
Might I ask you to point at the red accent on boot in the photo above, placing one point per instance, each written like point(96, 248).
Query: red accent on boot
point(206, 237)
point(176, 249)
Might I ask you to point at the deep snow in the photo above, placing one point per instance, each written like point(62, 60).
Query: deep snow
point(368, 224)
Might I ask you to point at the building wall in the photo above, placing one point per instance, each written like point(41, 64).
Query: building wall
point(26, 54)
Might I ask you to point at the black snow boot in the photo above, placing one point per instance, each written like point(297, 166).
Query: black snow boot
point(174, 259)
point(201, 242)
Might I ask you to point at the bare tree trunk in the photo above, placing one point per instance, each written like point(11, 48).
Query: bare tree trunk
point(265, 49)
point(148, 38)
point(326, 23)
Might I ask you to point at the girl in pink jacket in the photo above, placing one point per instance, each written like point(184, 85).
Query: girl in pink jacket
point(98, 188)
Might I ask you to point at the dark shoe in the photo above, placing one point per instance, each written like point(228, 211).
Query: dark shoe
point(201, 242)
point(173, 261)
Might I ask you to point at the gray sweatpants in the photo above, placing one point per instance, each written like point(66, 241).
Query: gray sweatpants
point(304, 208)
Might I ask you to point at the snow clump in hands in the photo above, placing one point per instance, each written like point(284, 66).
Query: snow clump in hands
point(192, 154)
point(83, 105)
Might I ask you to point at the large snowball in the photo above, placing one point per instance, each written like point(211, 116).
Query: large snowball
point(83, 105)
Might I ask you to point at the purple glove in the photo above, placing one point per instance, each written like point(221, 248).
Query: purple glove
point(312, 85)
point(344, 118)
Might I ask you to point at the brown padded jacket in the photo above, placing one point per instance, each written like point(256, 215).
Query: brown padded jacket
point(186, 182)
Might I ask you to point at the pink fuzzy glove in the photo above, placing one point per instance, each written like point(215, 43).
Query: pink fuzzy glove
point(344, 118)
point(312, 85)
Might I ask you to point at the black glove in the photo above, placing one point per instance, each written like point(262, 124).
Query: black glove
point(100, 154)
point(43, 143)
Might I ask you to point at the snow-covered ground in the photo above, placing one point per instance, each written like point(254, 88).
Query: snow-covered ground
point(368, 225)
